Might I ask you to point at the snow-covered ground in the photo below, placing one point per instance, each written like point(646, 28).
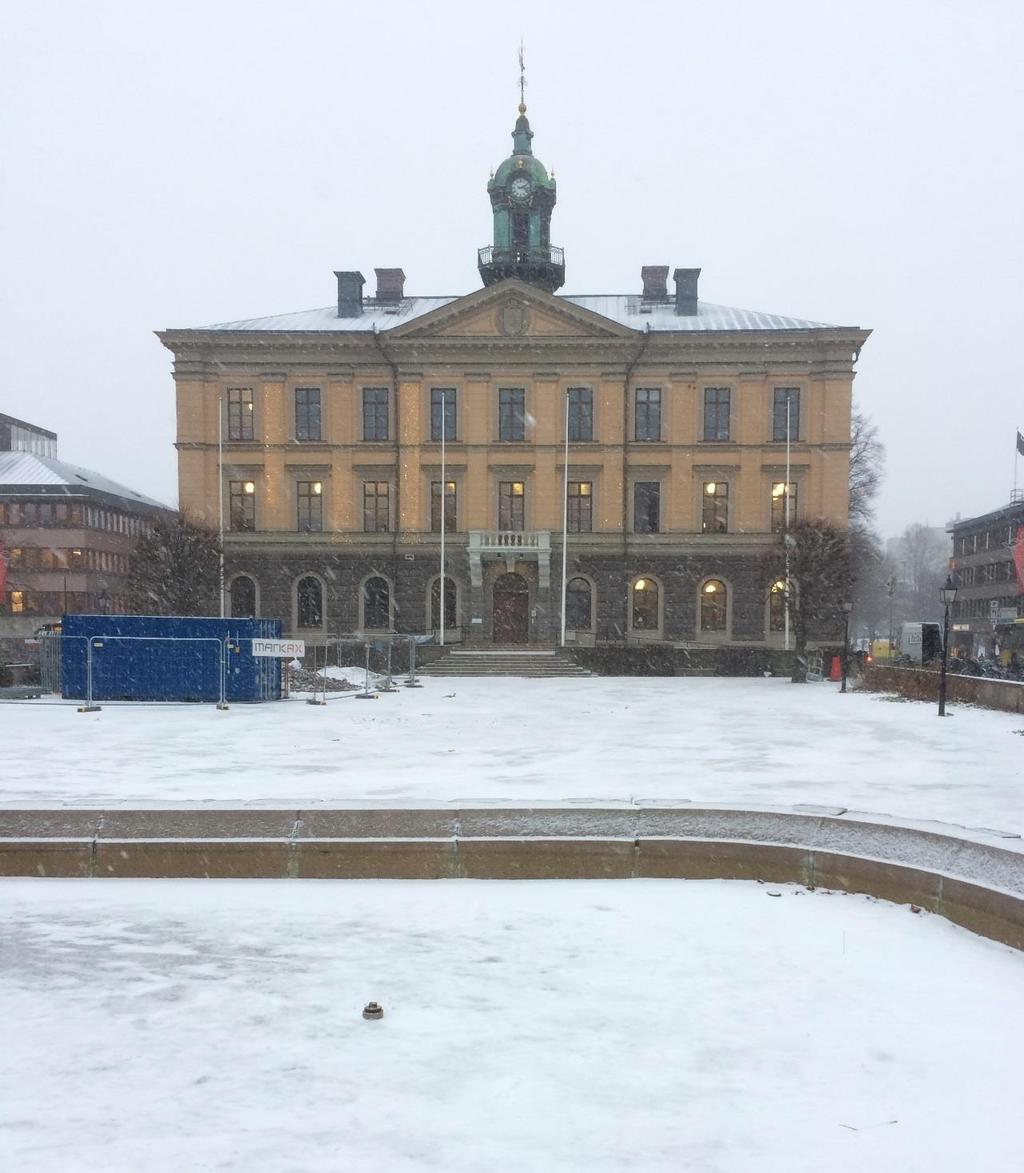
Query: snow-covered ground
point(713, 740)
point(594, 1025)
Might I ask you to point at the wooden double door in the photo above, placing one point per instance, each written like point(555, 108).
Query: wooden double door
point(510, 610)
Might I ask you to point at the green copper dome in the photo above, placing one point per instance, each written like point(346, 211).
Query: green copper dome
point(522, 161)
point(522, 199)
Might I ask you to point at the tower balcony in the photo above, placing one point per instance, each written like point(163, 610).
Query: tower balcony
point(542, 265)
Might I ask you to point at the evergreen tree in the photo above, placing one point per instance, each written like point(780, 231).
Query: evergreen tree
point(175, 570)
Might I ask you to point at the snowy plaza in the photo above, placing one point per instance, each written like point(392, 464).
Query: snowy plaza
point(754, 741)
point(599, 1024)
point(569, 1025)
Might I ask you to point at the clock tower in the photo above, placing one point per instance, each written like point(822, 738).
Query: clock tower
point(522, 198)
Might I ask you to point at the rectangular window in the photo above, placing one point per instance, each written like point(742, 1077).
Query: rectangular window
point(512, 414)
point(442, 408)
point(647, 422)
point(715, 507)
point(307, 413)
point(376, 507)
point(780, 496)
point(310, 500)
point(511, 499)
point(581, 414)
point(450, 511)
point(242, 505)
point(375, 413)
point(580, 512)
point(716, 413)
point(240, 413)
point(647, 507)
point(786, 405)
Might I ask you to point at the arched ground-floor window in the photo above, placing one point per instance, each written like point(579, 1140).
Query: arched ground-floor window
point(376, 598)
point(579, 604)
point(451, 604)
point(645, 606)
point(714, 606)
point(309, 602)
point(243, 597)
point(777, 606)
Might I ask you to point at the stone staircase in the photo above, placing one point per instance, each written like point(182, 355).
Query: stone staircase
point(516, 660)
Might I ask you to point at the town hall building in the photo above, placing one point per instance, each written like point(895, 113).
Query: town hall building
point(341, 448)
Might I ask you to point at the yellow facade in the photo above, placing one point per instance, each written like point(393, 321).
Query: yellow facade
point(515, 336)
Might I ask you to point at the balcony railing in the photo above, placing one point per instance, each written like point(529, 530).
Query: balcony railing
point(549, 254)
point(503, 541)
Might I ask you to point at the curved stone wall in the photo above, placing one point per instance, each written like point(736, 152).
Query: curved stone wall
point(973, 877)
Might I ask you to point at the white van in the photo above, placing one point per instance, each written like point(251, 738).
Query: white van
point(921, 642)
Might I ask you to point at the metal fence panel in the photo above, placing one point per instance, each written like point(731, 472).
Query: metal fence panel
point(142, 657)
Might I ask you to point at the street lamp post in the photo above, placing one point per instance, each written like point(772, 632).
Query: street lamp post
point(948, 596)
point(847, 608)
point(890, 589)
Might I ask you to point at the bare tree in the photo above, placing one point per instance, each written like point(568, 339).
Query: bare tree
point(920, 562)
point(175, 570)
point(867, 561)
point(819, 569)
point(867, 467)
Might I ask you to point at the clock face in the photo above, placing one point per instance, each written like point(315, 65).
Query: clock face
point(520, 188)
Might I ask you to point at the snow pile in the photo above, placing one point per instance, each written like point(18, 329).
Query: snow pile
point(334, 678)
point(595, 1025)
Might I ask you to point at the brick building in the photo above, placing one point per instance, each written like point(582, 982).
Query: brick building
point(989, 610)
point(65, 533)
point(352, 434)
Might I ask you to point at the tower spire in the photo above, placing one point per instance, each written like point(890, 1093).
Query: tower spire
point(522, 77)
point(522, 199)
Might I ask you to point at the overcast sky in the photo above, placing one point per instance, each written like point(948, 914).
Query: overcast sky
point(189, 163)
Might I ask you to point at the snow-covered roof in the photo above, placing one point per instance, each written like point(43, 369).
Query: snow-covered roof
point(626, 309)
point(25, 469)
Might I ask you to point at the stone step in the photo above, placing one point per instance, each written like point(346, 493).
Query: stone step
point(538, 663)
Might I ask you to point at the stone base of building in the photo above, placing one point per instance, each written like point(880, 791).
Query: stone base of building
point(511, 595)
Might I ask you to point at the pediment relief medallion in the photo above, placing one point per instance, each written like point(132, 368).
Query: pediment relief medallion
point(513, 319)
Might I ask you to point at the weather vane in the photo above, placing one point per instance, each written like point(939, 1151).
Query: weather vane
point(522, 79)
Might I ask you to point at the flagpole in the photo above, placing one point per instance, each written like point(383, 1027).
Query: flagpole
point(1018, 448)
point(565, 514)
point(220, 490)
point(444, 500)
point(785, 527)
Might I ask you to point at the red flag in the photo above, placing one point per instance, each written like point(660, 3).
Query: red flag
point(1018, 555)
point(1020, 443)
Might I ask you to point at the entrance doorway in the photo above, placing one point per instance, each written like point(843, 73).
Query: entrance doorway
point(511, 610)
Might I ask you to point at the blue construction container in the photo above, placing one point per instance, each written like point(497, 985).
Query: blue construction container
point(167, 658)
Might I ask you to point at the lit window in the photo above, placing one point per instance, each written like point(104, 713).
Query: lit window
point(242, 505)
point(645, 605)
point(511, 506)
point(240, 413)
point(715, 507)
point(783, 506)
point(580, 507)
point(310, 506)
point(777, 606)
point(713, 606)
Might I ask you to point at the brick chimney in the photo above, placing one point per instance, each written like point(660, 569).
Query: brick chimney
point(350, 293)
point(390, 284)
point(655, 279)
point(686, 291)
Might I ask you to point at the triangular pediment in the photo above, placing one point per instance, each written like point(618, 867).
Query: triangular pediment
point(511, 310)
